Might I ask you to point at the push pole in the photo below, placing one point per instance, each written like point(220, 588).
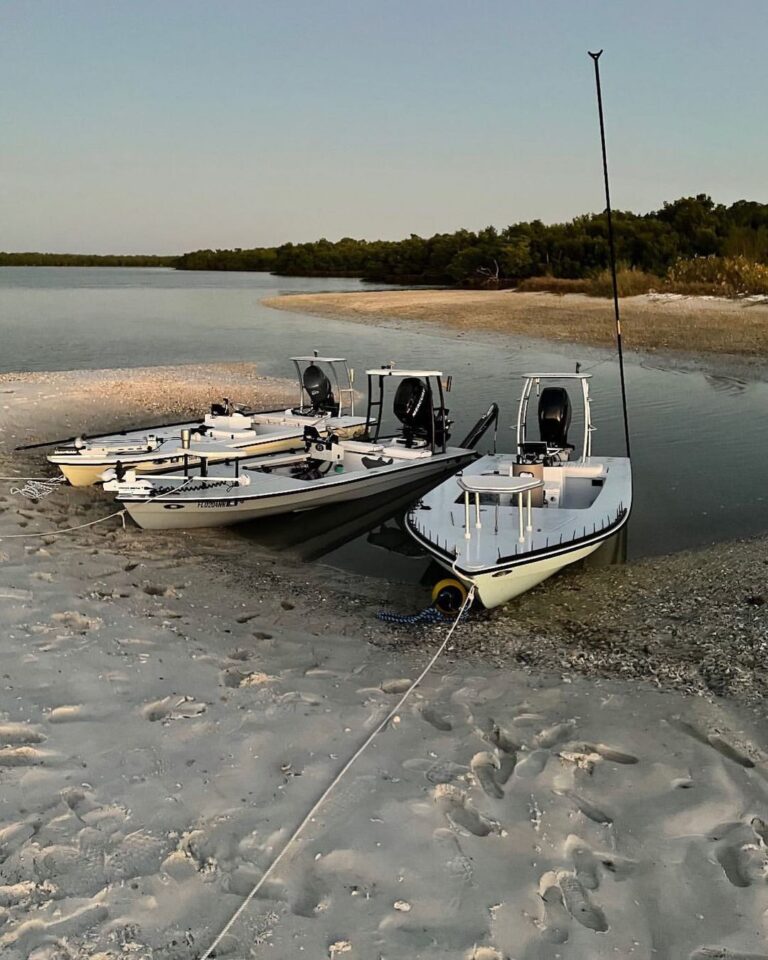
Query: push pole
point(612, 249)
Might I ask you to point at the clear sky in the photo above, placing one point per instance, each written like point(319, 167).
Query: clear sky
point(159, 126)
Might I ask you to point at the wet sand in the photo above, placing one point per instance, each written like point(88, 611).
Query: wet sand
point(171, 706)
point(650, 322)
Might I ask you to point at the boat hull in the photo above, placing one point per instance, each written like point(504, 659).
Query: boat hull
point(495, 589)
point(178, 512)
point(491, 545)
point(89, 473)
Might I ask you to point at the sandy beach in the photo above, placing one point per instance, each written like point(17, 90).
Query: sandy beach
point(650, 322)
point(582, 776)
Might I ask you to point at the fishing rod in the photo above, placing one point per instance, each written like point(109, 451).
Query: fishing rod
point(612, 248)
point(122, 433)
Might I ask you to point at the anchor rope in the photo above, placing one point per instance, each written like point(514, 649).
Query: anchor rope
point(91, 523)
point(339, 776)
point(35, 488)
point(56, 533)
point(428, 615)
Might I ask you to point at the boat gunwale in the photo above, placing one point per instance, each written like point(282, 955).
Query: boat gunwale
point(350, 477)
point(534, 556)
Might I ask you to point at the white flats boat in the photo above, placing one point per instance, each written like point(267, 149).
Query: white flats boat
point(509, 521)
point(227, 429)
point(329, 470)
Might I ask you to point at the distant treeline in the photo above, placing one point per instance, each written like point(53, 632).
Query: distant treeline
point(83, 260)
point(651, 243)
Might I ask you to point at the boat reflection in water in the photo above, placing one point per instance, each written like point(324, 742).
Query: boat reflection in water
point(337, 534)
point(368, 537)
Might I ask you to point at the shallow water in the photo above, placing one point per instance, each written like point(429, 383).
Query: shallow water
point(699, 440)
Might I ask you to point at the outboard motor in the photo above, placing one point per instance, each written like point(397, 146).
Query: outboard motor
point(319, 390)
point(413, 408)
point(554, 417)
point(218, 410)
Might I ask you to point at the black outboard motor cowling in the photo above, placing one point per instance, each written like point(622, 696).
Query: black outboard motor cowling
point(319, 390)
point(413, 408)
point(554, 416)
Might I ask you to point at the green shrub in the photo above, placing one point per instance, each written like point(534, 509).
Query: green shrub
point(631, 283)
point(558, 285)
point(720, 276)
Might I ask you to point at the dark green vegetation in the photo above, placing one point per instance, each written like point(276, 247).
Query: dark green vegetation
point(692, 244)
point(646, 244)
point(83, 260)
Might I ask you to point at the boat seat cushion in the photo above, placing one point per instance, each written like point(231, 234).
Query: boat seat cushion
point(360, 446)
point(498, 483)
point(406, 453)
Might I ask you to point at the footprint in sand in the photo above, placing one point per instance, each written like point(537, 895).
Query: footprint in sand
point(28, 936)
point(235, 678)
point(158, 590)
point(558, 733)
point(437, 771)
point(138, 855)
point(740, 851)
point(19, 733)
point(22, 757)
point(533, 764)
point(77, 621)
point(437, 719)
point(721, 953)
point(714, 739)
point(578, 904)
point(12, 837)
point(173, 708)
point(458, 809)
point(587, 755)
point(554, 926)
point(500, 738)
point(484, 766)
point(396, 686)
point(310, 897)
point(590, 810)
point(240, 654)
point(584, 862)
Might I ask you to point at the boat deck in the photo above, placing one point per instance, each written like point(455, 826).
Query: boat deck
point(580, 500)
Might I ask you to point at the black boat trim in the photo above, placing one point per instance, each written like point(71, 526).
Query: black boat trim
point(508, 563)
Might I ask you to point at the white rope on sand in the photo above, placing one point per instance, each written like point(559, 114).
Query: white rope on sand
point(35, 488)
point(324, 795)
point(91, 523)
point(56, 533)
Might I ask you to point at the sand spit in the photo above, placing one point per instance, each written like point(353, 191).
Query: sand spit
point(690, 324)
point(44, 405)
point(169, 711)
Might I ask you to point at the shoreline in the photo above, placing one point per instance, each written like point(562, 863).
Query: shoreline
point(174, 703)
point(560, 614)
point(650, 323)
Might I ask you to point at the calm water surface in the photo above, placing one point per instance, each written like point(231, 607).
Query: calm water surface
point(700, 442)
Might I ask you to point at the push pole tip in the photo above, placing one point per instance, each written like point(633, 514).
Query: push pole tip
point(595, 56)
